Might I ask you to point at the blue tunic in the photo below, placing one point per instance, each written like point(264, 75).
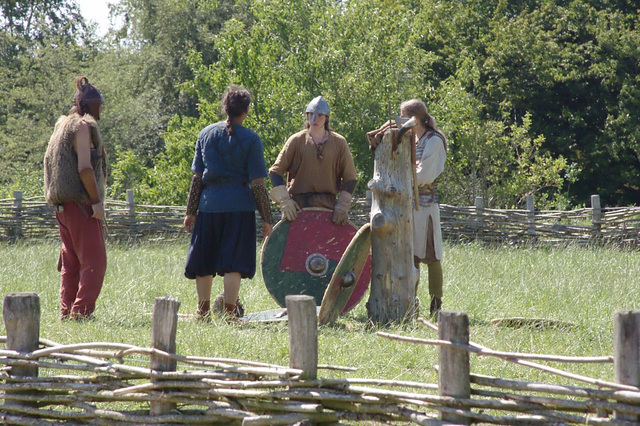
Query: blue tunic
point(228, 164)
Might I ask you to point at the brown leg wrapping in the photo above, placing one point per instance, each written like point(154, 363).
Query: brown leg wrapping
point(204, 309)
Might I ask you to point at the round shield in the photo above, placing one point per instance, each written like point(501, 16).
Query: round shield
point(300, 257)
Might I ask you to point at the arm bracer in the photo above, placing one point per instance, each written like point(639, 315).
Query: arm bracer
point(349, 186)
point(276, 179)
point(261, 196)
point(194, 195)
point(88, 179)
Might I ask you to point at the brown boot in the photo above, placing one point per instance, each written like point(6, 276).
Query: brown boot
point(436, 306)
point(233, 312)
point(204, 310)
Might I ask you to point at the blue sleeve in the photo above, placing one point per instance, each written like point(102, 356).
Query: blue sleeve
point(197, 166)
point(255, 160)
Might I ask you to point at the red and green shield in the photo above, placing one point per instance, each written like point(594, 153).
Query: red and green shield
point(300, 257)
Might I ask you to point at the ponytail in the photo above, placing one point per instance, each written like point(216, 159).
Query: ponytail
point(87, 99)
point(417, 108)
point(235, 102)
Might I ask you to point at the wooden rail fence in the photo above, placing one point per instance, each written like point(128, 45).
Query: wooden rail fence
point(43, 381)
point(31, 218)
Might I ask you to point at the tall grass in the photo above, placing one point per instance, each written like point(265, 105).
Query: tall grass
point(580, 286)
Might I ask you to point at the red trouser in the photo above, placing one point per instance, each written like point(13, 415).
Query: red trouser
point(84, 260)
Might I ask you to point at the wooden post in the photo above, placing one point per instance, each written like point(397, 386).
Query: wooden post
point(479, 205)
point(367, 198)
point(163, 337)
point(303, 334)
point(21, 314)
point(454, 372)
point(626, 352)
point(17, 215)
point(393, 290)
point(531, 214)
point(596, 216)
point(479, 216)
point(131, 204)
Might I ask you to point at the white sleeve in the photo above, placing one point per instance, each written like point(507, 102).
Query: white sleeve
point(432, 162)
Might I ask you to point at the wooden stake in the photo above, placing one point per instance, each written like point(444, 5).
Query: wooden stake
point(163, 337)
point(626, 352)
point(453, 377)
point(21, 314)
point(303, 335)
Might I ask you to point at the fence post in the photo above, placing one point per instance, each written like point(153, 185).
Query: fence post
point(132, 211)
point(131, 204)
point(303, 334)
point(17, 214)
point(626, 352)
point(454, 372)
point(163, 337)
point(368, 197)
point(479, 216)
point(531, 213)
point(596, 215)
point(21, 314)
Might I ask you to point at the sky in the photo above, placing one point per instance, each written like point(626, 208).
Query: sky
point(97, 11)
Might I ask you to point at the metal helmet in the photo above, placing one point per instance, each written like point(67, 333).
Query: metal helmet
point(318, 106)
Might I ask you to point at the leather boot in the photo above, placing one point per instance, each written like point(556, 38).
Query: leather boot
point(204, 310)
point(436, 306)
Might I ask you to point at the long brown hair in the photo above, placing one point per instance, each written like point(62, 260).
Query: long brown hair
point(235, 102)
point(327, 127)
point(417, 108)
point(87, 99)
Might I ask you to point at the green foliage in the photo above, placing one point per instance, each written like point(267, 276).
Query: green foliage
point(488, 158)
point(291, 53)
point(569, 65)
point(536, 97)
point(39, 57)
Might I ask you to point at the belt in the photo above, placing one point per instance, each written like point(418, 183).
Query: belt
point(426, 199)
point(223, 183)
point(306, 196)
point(60, 208)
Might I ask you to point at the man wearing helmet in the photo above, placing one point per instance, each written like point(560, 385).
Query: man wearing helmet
point(319, 166)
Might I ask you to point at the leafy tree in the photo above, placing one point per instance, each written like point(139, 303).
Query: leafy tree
point(290, 54)
point(570, 66)
point(536, 96)
point(39, 57)
point(500, 162)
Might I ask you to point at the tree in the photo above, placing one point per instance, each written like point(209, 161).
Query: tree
point(39, 57)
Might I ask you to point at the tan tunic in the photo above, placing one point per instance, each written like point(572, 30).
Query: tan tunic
point(430, 165)
point(320, 178)
point(61, 178)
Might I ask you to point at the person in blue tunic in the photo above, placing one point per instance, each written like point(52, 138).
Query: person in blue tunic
point(226, 188)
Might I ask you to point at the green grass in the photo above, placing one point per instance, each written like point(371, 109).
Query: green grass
point(577, 285)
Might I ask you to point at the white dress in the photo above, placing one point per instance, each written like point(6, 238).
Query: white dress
point(431, 156)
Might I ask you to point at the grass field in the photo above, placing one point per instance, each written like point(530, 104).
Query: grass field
point(576, 285)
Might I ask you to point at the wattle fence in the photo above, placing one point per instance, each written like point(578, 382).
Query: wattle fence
point(105, 383)
point(26, 218)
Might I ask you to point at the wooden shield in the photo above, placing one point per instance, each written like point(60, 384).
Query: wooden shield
point(347, 273)
point(300, 257)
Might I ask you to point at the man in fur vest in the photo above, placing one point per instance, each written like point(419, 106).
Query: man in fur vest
point(74, 183)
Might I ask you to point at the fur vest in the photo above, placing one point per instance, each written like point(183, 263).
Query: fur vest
point(61, 178)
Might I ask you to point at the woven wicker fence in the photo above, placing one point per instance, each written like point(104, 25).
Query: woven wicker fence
point(32, 218)
point(106, 383)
